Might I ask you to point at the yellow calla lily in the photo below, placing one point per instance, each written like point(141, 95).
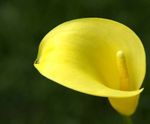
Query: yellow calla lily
point(96, 56)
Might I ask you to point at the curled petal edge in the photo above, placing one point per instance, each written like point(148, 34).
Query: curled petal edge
point(86, 85)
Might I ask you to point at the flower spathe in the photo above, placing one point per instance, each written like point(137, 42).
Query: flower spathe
point(96, 56)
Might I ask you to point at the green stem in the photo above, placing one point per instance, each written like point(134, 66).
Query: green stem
point(127, 120)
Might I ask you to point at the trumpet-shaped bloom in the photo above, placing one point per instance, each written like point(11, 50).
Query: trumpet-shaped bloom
point(96, 56)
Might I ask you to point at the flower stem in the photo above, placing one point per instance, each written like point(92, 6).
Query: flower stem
point(127, 120)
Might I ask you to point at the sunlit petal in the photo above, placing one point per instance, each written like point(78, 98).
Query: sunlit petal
point(81, 55)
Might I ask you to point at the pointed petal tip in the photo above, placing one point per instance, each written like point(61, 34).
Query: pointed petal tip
point(36, 63)
point(141, 90)
point(125, 94)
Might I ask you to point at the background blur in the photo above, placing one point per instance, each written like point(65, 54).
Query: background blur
point(26, 97)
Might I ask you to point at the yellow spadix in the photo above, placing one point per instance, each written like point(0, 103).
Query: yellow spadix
point(96, 56)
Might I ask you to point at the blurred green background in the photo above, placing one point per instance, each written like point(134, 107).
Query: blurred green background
point(26, 97)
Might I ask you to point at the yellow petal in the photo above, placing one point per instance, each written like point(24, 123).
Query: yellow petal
point(74, 78)
point(81, 54)
point(125, 106)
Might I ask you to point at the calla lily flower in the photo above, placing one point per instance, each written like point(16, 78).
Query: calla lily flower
point(95, 56)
